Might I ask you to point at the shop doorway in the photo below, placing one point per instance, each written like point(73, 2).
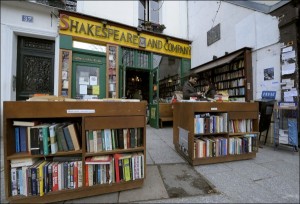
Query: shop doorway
point(35, 67)
point(137, 80)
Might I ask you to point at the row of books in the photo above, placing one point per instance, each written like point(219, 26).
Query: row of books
point(229, 67)
point(116, 168)
point(36, 177)
point(230, 84)
point(210, 147)
point(241, 125)
point(110, 139)
point(206, 123)
point(229, 75)
point(236, 91)
point(45, 138)
point(217, 146)
point(241, 145)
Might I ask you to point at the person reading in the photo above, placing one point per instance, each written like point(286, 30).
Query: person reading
point(209, 90)
point(189, 90)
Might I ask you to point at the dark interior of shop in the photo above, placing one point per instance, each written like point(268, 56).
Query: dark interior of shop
point(137, 79)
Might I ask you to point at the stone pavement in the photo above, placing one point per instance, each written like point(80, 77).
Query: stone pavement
point(271, 177)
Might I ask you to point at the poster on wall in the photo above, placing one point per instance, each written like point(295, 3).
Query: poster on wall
point(269, 73)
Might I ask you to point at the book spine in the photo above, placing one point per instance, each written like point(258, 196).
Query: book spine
point(45, 132)
point(23, 139)
point(53, 141)
point(25, 180)
point(75, 174)
point(14, 190)
point(55, 177)
point(80, 171)
point(50, 177)
point(34, 181)
point(41, 143)
point(59, 176)
point(17, 138)
point(29, 182)
point(68, 138)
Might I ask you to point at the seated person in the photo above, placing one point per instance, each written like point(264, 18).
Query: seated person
point(209, 90)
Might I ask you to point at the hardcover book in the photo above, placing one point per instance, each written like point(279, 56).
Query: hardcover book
point(68, 138)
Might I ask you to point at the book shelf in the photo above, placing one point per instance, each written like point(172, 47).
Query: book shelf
point(91, 116)
point(168, 85)
point(112, 73)
point(229, 131)
point(285, 125)
point(65, 73)
point(234, 76)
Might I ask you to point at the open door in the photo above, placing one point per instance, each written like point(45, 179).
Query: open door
point(154, 92)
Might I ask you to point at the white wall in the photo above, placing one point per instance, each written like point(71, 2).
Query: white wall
point(12, 27)
point(173, 14)
point(240, 27)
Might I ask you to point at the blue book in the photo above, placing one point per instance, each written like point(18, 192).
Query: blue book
point(23, 139)
point(17, 138)
point(20, 178)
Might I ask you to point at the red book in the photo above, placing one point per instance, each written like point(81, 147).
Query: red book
point(55, 176)
point(75, 174)
point(86, 175)
point(128, 138)
point(117, 172)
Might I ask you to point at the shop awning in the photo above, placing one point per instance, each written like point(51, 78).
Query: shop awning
point(223, 60)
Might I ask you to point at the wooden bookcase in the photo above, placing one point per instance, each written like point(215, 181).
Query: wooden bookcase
point(91, 116)
point(232, 73)
point(184, 128)
point(168, 85)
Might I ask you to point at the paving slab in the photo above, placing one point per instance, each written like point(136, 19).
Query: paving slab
point(242, 189)
point(251, 170)
point(212, 168)
point(153, 188)
point(162, 154)
point(214, 198)
point(182, 180)
point(288, 190)
point(104, 198)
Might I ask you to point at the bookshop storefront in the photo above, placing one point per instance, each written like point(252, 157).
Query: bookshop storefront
point(102, 59)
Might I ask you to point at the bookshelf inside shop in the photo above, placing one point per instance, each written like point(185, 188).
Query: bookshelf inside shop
point(213, 132)
point(56, 151)
point(112, 74)
point(65, 73)
point(233, 75)
point(168, 85)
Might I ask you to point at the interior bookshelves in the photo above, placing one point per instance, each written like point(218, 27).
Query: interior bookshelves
point(168, 85)
point(232, 73)
point(91, 116)
point(112, 73)
point(231, 135)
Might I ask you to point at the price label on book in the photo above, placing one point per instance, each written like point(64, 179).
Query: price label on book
point(81, 111)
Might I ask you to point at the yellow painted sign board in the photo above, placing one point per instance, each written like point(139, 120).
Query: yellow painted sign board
point(97, 31)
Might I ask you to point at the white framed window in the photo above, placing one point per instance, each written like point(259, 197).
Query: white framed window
point(149, 11)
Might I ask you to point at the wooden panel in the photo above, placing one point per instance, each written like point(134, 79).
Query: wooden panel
point(97, 123)
point(238, 115)
point(57, 109)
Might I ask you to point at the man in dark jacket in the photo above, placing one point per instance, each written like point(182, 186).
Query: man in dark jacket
point(189, 89)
